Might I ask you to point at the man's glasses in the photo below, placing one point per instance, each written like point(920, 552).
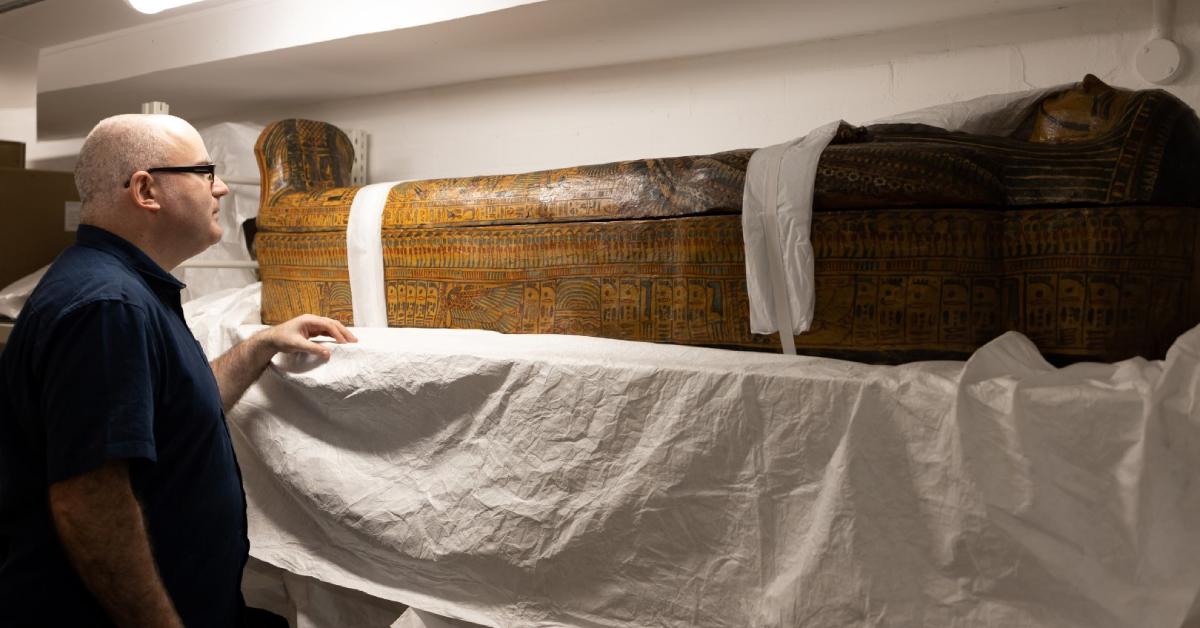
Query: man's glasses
point(209, 170)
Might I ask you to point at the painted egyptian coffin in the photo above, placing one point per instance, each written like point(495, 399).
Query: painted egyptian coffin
point(1079, 230)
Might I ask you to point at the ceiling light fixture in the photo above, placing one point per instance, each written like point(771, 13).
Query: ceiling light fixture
point(9, 5)
point(154, 6)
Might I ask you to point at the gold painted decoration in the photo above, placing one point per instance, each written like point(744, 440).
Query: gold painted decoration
point(1101, 283)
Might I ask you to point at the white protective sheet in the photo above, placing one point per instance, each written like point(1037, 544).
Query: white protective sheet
point(556, 480)
point(14, 295)
point(310, 603)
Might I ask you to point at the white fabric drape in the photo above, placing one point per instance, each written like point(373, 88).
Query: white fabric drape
point(525, 480)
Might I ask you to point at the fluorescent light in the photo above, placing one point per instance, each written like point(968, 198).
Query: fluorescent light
point(9, 5)
point(154, 6)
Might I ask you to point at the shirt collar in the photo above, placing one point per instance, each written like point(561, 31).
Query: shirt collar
point(133, 257)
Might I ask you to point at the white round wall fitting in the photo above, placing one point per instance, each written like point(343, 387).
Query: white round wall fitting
point(1158, 61)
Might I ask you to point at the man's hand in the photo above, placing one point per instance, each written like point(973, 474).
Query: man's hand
point(101, 528)
point(241, 365)
point(294, 336)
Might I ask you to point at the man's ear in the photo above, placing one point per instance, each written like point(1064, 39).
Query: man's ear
point(143, 192)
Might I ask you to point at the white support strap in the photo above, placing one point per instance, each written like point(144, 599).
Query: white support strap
point(364, 255)
point(770, 220)
point(776, 225)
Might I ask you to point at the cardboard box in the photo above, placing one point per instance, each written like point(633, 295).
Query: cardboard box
point(12, 154)
point(33, 204)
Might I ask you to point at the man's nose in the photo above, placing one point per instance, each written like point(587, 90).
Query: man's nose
point(219, 188)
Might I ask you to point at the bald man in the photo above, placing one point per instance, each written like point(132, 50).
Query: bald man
point(121, 501)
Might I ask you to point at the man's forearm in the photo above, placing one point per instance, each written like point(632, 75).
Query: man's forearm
point(239, 367)
point(100, 525)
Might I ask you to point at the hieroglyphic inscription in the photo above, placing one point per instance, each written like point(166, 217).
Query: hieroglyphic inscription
point(301, 156)
point(674, 186)
point(1090, 283)
point(648, 280)
point(1100, 282)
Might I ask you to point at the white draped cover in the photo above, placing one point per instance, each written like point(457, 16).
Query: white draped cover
point(555, 480)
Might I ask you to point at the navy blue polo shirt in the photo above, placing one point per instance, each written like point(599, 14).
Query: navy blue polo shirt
point(100, 366)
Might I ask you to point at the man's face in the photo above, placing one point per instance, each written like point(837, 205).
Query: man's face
point(191, 201)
